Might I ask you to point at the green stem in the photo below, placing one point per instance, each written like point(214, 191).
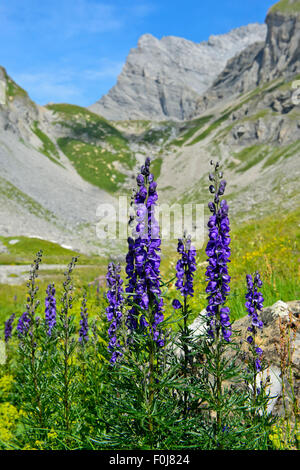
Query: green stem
point(151, 384)
point(185, 349)
point(218, 380)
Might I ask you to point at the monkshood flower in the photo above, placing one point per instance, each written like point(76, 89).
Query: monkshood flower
point(218, 252)
point(114, 310)
point(143, 260)
point(185, 267)
point(23, 324)
point(50, 308)
point(176, 304)
point(131, 321)
point(254, 303)
point(8, 327)
point(84, 326)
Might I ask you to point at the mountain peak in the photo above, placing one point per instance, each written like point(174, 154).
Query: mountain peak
point(163, 78)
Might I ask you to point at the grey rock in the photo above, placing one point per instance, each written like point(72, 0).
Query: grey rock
point(37, 196)
point(164, 78)
point(259, 63)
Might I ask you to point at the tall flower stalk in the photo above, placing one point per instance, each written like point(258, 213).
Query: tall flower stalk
point(218, 252)
point(84, 325)
point(114, 310)
point(8, 326)
point(50, 308)
point(27, 329)
point(67, 345)
point(254, 303)
point(143, 271)
point(185, 269)
point(143, 260)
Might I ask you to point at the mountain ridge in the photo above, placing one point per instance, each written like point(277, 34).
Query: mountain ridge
point(162, 78)
point(278, 56)
point(59, 162)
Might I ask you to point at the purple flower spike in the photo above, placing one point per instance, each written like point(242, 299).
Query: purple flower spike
point(114, 309)
point(8, 327)
point(186, 267)
point(254, 303)
point(23, 324)
point(84, 326)
point(50, 308)
point(218, 253)
point(143, 261)
point(176, 304)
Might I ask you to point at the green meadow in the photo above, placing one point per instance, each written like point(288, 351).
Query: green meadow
point(270, 245)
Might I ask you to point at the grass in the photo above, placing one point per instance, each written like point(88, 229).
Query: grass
point(157, 135)
point(215, 124)
point(156, 167)
point(283, 152)
point(270, 245)
point(96, 148)
point(12, 89)
point(94, 164)
point(49, 149)
point(12, 193)
point(190, 129)
point(23, 251)
point(13, 297)
point(285, 6)
point(88, 126)
point(249, 157)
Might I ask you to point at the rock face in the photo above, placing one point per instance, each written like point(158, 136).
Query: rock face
point(282, 52)
point(39, 196)
point(260, 63)
point(162, 79)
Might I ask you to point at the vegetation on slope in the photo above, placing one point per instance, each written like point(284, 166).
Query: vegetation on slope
point(12, 89)
point(286, 6)
point(48, 148)
point(12, 193)
point(100, 153)
point(272, 242)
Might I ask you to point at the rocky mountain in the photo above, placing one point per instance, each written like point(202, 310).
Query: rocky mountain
point(59, 162)
point(277, 57)
point(162, 79)
point(41, 193)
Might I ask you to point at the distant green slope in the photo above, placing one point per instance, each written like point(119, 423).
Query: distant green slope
point(286, 6)
point(96, 148)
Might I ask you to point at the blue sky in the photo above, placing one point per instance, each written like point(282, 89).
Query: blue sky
point(73, 50)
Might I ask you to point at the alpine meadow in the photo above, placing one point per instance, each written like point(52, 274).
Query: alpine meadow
point(149, 250)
